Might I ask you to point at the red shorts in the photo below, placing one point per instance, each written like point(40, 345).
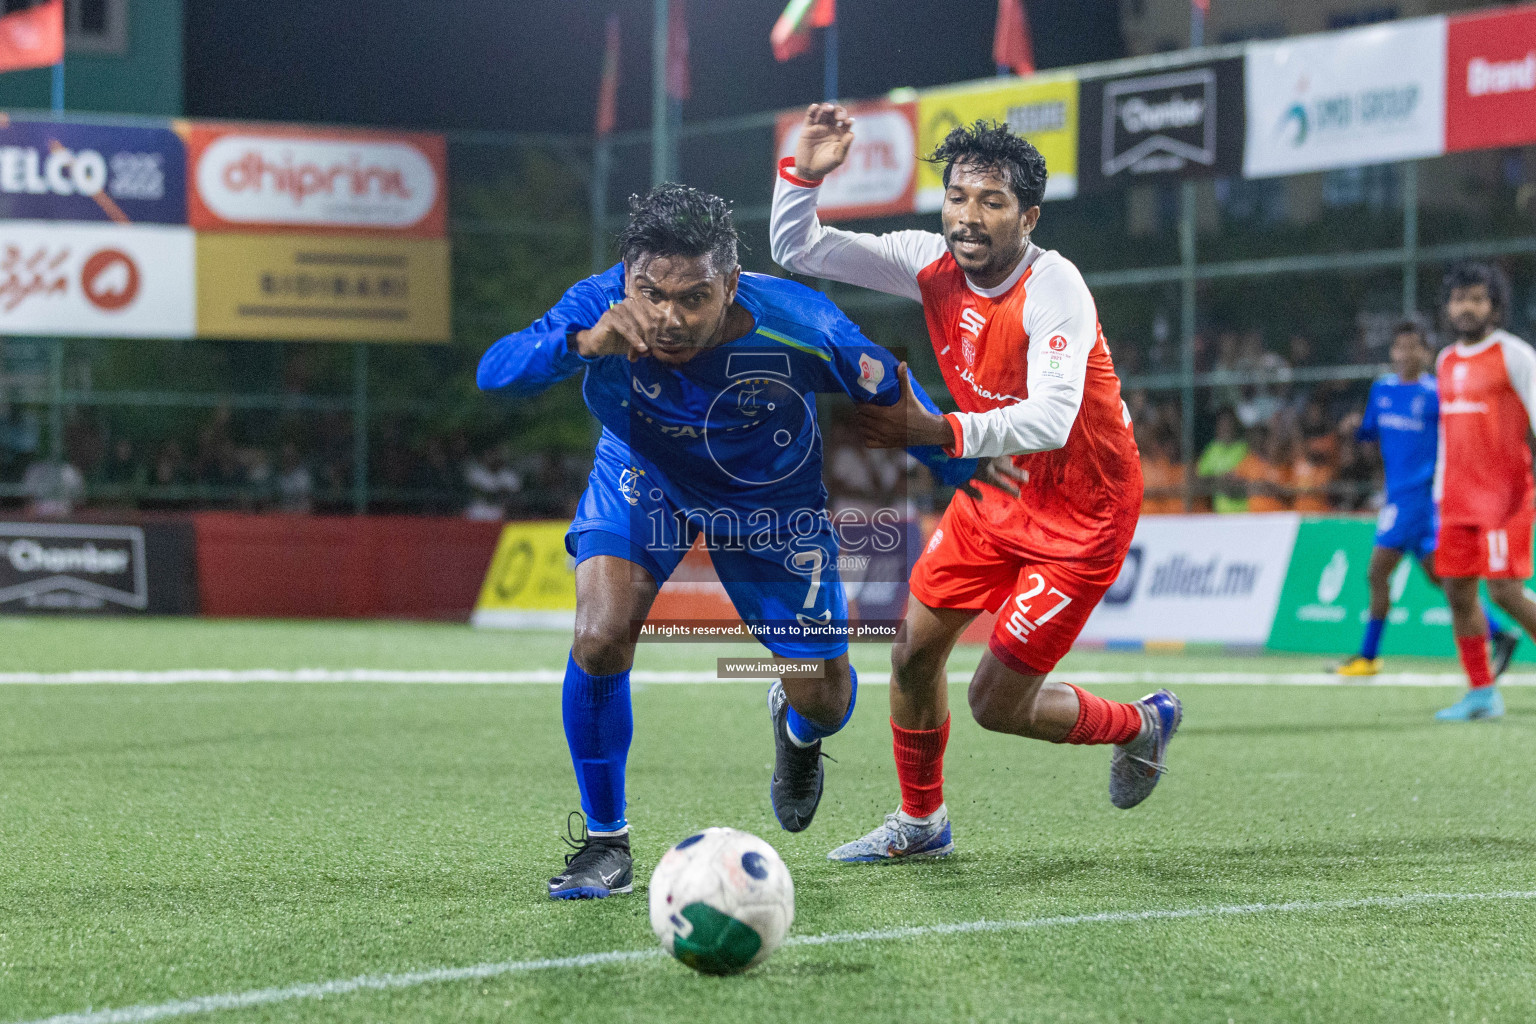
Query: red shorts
point(1044, 604)
point(1500, 554)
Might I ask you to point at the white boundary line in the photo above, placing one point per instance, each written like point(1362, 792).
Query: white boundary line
point(383, 982)
point(132, 677)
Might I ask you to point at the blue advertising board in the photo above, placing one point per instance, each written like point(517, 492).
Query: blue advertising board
point(82, 172)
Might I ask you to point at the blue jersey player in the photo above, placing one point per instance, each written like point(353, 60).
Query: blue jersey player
point(1402, 416)
point(704, 379)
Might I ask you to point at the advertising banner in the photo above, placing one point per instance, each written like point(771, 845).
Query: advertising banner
point(306, 287)
point(878, 179)
point(1370, 95)
point(1326, 600)
point(1182, 122)
point(1043, 109)
point(531, 583)
point(48, 567)
point(57, 171)
point(264, 177)
point(109, 281)
point(1201, 579)
point(1490, 80)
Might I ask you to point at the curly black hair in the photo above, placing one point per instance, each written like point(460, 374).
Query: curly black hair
point(679, 220)
point(1471, 274)
point(992, 146)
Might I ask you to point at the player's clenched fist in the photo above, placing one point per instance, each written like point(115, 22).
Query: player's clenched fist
point(824, 141)
point(627, 329)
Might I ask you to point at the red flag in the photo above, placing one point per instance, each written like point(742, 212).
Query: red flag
point(33, 38)
point(791, 34)
point(608, 95)
point(1011, 46)
point(1204, 5)
point(679, 86)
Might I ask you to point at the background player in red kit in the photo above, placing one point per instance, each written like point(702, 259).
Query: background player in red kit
point(1018, 341)
point(1483, 479)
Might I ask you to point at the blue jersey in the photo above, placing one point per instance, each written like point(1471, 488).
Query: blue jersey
point(1403, 417)
point(734, 428)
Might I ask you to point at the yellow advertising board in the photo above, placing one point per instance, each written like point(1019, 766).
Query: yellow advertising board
point(1043, 109)
point(295, 287)
point(531, 583)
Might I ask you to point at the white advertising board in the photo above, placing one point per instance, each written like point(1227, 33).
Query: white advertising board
point(1200, 579)
point(1370, 95)
point(108, 281)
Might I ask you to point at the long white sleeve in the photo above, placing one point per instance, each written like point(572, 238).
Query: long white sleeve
point(1063, 326)
point(801, 243)
point(1520, 364)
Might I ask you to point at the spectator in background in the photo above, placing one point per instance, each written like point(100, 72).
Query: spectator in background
point(1162, 475)
point(493, 484)
point(1265, 471)
point(171, 469)
point(295, 483)
point(122, 471)
point(1313, 479)
point(52, 489)
point(1217, 462)
point(1299, 351)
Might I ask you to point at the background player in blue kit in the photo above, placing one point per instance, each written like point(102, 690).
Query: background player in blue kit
point(704, 379)
point(1403, 416)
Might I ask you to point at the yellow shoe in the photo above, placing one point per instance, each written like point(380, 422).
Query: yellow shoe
point(1358, 666)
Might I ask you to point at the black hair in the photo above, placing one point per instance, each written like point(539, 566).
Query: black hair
point(1469, 275)
point(992, 146)
point(679, 220)
point(1408, 325)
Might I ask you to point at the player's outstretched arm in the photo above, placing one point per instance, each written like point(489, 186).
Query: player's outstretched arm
point(801, 243)
point(582, 326)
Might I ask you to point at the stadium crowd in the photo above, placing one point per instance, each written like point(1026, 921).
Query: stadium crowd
point(1265, 442)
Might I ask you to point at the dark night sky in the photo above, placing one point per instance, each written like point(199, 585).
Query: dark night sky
point(534, 65)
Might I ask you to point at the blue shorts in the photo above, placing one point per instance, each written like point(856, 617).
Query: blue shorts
point(784, 583)
point(1411, 527)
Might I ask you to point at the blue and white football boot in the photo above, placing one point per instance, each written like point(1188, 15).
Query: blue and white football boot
point(899, 839)
point(1475, 705)
point(1135, 767)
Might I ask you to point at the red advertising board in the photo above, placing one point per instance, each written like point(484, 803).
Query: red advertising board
point(1490, 87)
point(251, 177)
point(879, 178)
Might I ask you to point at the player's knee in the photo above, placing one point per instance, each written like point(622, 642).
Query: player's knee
point(988, 707)
point(601, 650)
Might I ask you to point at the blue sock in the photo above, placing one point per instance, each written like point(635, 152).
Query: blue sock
point(598, 727)
point(1372, 642)
point(806, 732)
point(1495, 625)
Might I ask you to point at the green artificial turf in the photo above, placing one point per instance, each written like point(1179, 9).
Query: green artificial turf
point(164, 842)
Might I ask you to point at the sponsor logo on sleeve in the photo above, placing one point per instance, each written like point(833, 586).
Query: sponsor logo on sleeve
point(871, 373)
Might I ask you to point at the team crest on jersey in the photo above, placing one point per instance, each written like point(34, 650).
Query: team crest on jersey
point(971, 326)
point(629, 484)
point(1459, 374)
point(871, 373)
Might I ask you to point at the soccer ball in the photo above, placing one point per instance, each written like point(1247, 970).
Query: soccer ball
point(721, 901)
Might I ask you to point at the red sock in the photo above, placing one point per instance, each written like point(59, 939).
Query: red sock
point(1103, 721)
point(920, 767)
point(1474, 658)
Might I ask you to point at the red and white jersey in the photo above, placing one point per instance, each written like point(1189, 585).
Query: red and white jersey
point(1487, 407)
point(1025, 361)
